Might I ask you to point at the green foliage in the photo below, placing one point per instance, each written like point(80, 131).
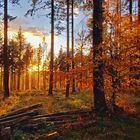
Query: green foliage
point(18, 134)
point(112, 129)
point(24, 134)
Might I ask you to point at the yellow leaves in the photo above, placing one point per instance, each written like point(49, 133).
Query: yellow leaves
point(77, 102)
point(8, 104)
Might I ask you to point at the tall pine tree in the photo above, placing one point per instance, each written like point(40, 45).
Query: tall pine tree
point(6, 68)
point(68, 57)
point(52, 50)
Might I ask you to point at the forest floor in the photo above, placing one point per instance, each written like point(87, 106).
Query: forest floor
point(116, 128)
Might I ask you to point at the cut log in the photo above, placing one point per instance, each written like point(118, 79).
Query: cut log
point(51, 136)
point(36, 125)
point(73, 126)
point(59, 118)
point(64, 113)
point(22, 110)
point(14, 121)
point(33, 123)
point(29, 113)
point(28, 117)
point(61, 127)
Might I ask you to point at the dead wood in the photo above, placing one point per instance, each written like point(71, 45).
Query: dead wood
point(14, 121)
point(22, 110)
point(29, 113)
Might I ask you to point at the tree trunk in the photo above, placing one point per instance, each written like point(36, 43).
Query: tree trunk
point(130, 10)
point(6, 66)
point(52, 49)
point(12, 80)
point(27, 78)
point(23, 81)
point(73, 65)
point(44, 79)
point(68, 57)
point(55, 79)
point(38, 79)
point(98, 81)
point(18, 80)
point(81, 59)
point(60, 81)
point(1, 76)
point(15, 81)
point(130, 69)
point(138, 10)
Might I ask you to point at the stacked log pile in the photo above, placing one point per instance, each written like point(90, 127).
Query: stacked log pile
point(29, 118)
point(15, 117)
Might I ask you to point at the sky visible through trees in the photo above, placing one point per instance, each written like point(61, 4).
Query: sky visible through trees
point(38, 26)
point(76, 54)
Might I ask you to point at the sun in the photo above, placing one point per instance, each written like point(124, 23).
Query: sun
point(33, 68)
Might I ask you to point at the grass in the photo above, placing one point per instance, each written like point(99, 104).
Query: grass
point(105, 129)
point(58, 102)
point(112, 129)
point(51, 104)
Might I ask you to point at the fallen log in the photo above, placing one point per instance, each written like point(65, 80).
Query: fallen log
point(14, 121)
point(50, 136)
point(73, 126)
point(37, 125)
point(52, 125)
point(39, 122)
point(59, 118)
point(22, 110)
point(63, 127)
point(29, 113)
point(64, 113)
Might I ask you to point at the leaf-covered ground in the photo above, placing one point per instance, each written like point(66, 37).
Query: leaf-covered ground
point(115, 128)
